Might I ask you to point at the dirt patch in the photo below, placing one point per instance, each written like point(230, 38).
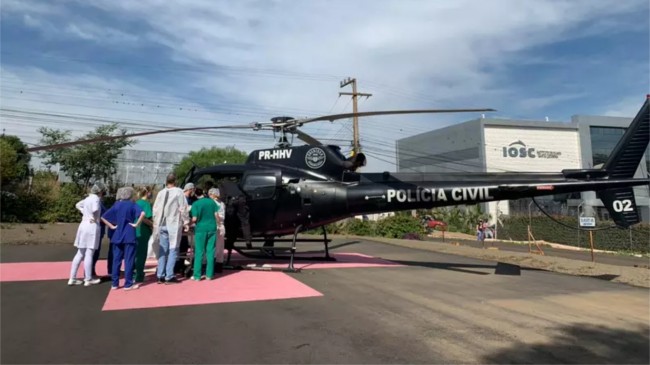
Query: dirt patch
point(451, 235)
point(24, 234)
point(636, 276)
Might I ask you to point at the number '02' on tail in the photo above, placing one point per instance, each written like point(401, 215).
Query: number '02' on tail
point(622, 164)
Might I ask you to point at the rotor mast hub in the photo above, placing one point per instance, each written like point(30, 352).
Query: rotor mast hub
point(281, 126)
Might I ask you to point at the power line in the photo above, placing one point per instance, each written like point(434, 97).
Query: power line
point(355, 122)
point(199, 67)
point(156, 102)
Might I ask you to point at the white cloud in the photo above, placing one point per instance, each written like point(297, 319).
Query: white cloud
point(54, 21)
point(90, 100)
point(545, 101)
point(32, 7)
point(626, 107)
point(439, 50)
point(290, 56)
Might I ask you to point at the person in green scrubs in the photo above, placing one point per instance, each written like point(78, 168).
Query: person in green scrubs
point(143, 232)
point(204, 216)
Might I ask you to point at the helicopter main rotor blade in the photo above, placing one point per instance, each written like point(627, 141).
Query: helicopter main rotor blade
point(110, 138)
point(307, 138)
point(334, 117)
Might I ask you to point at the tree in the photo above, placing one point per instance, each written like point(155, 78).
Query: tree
point(83, 163)
point(208, 157)
point(8, 161)
point(21, 156)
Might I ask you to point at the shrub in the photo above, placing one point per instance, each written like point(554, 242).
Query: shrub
point(636, 239)
point(22, 207)
point(30, 204)
point(63, 209)
point(8, 161)
point(46, 200)
point(359, 227)
point(399, 225)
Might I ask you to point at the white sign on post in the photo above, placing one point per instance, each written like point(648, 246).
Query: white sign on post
point(587, 222)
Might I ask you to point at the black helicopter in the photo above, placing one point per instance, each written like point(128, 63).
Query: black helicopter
point(290, 189)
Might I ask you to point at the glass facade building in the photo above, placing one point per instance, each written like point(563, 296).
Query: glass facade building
point(586, 142)
point(603, 141)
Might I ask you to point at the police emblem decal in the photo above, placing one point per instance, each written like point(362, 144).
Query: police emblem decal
point(315, 158)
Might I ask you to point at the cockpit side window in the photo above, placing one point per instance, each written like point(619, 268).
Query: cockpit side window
point(260, 186)
point(258, 181)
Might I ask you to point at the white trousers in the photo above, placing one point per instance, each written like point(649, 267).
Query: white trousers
point(150, 252)
point(85, 254)
point(218, 251)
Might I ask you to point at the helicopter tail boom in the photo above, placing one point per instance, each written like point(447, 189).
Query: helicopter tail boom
point(404, 195)
point(623, 164)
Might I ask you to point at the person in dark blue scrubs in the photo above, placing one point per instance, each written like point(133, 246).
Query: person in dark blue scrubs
point(119, 218)
point(109, 260)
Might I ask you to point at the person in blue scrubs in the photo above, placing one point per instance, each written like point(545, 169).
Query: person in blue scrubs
point(124, 242)
point(109, 261)
point(102, 230)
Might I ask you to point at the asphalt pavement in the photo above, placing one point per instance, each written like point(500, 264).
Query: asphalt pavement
point(435, 308)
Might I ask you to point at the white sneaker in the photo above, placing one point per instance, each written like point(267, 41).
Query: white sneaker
point(133, 287)
point(74, 282)
point(92, 282)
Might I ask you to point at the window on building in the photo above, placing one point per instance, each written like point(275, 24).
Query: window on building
point(603, 141)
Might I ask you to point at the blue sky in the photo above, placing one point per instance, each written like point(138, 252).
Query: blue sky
point(157, 63)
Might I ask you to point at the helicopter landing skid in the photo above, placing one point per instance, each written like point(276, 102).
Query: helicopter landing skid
point(268, 252)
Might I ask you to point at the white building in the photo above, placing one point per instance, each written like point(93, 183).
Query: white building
point(496, 145)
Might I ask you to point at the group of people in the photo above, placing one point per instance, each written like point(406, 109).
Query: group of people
point(483, 231)
point(135, 228)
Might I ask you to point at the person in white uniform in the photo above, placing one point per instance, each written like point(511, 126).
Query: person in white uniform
point(216, 196)
point(170, 217)
point(88, 235)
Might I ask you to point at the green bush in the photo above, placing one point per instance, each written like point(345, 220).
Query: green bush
point(25, 204)
point(398, 226)
point(21, 207)
point(636, 239)
point(63, 209)
point(360, 227)
point(460, 220)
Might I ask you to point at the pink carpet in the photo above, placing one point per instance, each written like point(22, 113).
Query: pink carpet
point(34, 271)
point(242, 286)
point(229, 287)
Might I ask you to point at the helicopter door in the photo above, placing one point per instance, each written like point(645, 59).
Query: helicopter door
point(262, 191)
point(259, 186)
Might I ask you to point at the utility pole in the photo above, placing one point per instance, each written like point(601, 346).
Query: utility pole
point(355, 124)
